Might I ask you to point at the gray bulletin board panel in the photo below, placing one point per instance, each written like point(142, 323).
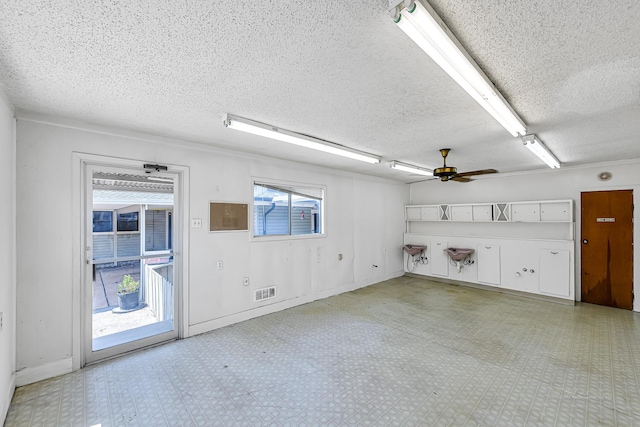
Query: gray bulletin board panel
point(228, 216)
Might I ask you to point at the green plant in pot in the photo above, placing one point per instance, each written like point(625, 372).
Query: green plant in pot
point(128, 293)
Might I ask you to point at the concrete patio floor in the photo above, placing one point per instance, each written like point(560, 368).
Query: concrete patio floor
point(105, 285)
point(105, 299)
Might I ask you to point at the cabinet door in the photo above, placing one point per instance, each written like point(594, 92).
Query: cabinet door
point(555, 211)
point(502, 212)
point(444, 213)
point(489, 264)
point(439, 258)
point(555, 272)
point(482, 213)
point(461, 213)
point(519, 266)
point(413, 213)
point(525, 212)
point(429, 213)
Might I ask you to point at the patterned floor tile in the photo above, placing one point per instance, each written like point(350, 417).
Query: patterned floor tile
point(405, 352)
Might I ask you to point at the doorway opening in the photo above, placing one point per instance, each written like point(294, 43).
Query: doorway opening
point(607, 248)
point(131, 262)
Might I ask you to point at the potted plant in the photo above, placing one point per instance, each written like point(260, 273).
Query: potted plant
point(128, 293)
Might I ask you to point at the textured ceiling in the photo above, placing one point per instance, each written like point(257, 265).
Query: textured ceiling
point(341, 71)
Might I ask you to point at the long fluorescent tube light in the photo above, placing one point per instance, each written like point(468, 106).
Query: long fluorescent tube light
point(538, 148)
point(268, 131)
point(411, 169)
point(428, 31)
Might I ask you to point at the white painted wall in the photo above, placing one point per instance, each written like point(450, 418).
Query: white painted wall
point(547, 184)
point(364, 221)
point(7, 254)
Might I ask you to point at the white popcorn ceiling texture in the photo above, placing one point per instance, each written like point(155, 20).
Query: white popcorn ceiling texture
point(338, 70)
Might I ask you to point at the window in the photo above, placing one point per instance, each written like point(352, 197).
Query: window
point(102, 221)
point(128, 221)
point(157, 237)
point(287, 210)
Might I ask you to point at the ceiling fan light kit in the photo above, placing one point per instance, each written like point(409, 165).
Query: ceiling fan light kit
point(421, 23)
point(410, 168)
point(539, 149)
point(269, 131)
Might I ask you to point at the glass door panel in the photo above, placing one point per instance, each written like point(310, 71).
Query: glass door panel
point(131, 260)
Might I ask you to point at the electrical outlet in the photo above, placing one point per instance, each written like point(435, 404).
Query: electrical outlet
point(196, 223)
point(0, 320)
point(219, 265)
point(245, 281)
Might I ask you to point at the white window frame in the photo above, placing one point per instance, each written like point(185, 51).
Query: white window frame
point(280, 237)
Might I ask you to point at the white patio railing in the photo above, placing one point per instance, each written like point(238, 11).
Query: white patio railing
point(158, 290)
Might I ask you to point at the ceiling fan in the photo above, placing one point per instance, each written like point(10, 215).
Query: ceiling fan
point(449, 173)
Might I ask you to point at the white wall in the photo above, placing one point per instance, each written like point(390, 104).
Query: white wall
point(7, 254)
point(547, 184)
point(364, 221)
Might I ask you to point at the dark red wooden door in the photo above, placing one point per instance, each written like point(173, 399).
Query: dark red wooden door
point(607, 248)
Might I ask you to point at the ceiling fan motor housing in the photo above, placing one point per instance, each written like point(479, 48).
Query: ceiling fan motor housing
point(445, 171)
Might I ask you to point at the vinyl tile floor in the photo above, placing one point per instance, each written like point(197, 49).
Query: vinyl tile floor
point(407, 351)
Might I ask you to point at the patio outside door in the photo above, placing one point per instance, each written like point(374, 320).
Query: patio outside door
point(130, 285)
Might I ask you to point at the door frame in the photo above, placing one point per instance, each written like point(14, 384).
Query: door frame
point(181, 246)
point(636, 232)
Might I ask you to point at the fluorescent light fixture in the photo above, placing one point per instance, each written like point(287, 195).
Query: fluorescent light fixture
point(428, 31)
point(268, 131)
point(411, 169)
point(538, 148)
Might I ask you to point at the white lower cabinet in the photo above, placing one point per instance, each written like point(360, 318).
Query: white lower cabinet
point(543, 267)
point(439, 258)
point(520, 267)
point(489, 264)
point(555, 268)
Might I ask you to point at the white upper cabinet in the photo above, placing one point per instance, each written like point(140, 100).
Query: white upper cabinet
point(421, 213)
point(462, 213)
point(429, 213)
point(482, 213)
point(413, 213)
point(525, 212)
point(556, 211)
point(534, 211)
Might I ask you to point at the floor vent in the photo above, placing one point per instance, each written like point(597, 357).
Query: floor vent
point(264, 293)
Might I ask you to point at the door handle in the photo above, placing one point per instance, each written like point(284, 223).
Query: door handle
point(585, 241)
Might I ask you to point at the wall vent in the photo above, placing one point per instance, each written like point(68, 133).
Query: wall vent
point(264, 293)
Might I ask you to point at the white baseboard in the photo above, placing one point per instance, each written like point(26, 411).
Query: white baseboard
point(4, 405)
point(221, 322)
point(43, 372)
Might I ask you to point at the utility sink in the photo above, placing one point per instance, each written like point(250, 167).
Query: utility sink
point(458, 254)
point(413, 249)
